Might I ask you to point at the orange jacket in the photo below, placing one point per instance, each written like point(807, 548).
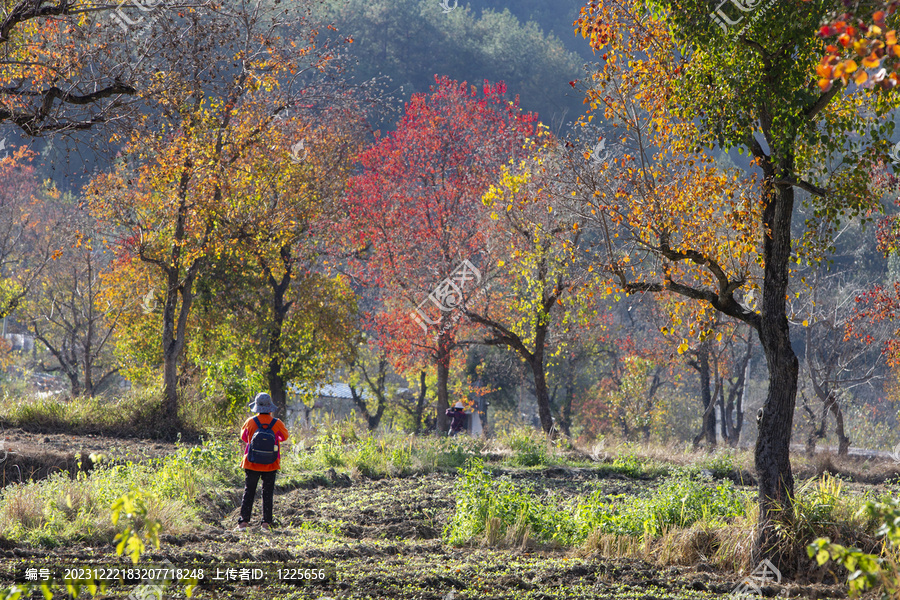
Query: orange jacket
point(247, 432)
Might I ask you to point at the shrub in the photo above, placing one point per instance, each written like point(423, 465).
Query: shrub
point(439, 452)
point(528, 446)
point(485, 505)
point(680, 501)
point(865, 569)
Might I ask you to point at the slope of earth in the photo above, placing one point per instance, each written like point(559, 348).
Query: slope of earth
point(381, 539)
point(28, 455)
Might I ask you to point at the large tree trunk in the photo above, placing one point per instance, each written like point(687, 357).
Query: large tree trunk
point(445, 345)
point(173, 339)
point(708, 429)
point(542, 394)
point(420, 404)
point(170, 346)
point(175, 316)
point(280, 309)
point(540, 379)
point(273, 375)
point(772, 453)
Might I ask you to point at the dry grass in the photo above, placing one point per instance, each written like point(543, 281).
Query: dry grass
point(22, 507)
point(726, 547)
point(136, 413)
point(607, 544)
point(855, 468)
point(517, 537)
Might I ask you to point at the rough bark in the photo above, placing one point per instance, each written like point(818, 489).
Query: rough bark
point(540, 378)
point(443, 376)
point(175, 316)
point(280, 308)
point(420, 405)
point(707, 399)
point(772, 452)
point(175, 312)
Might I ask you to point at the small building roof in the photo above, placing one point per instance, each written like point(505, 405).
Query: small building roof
point(341, 390)
point(338, 390)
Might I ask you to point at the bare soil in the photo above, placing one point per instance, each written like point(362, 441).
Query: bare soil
point(28, 455)
point(371, 539)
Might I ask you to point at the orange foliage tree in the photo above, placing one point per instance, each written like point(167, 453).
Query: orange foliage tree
point(677, 81)
point(60, 71)
point(26, 245)
point(188, 175)
point(862, 46)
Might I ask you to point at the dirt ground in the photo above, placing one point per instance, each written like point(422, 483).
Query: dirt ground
point(28, 455)
point(363, 539)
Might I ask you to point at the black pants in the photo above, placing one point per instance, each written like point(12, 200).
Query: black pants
point(268, 494)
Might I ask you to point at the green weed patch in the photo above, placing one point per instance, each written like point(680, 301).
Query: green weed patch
point(494, 509)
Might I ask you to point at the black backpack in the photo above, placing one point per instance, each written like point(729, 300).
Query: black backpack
point(263, 449)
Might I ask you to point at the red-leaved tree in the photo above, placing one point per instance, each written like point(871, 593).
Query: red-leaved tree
point(416, 209)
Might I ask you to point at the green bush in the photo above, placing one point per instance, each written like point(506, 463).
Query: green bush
point(440, 452)
point(482, 500)
point(867, 570)
point(529, 448)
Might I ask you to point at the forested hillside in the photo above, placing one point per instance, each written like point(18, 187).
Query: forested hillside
point(410, 41)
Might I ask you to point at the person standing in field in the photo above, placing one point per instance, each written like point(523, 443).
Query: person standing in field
point(262, 436)
point(457, 416)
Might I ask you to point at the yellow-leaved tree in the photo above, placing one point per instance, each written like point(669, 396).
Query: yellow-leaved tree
point(202, 162)
point(678, 82)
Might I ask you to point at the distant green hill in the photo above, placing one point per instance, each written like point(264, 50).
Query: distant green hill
point(412, 40)
point(553, 16)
